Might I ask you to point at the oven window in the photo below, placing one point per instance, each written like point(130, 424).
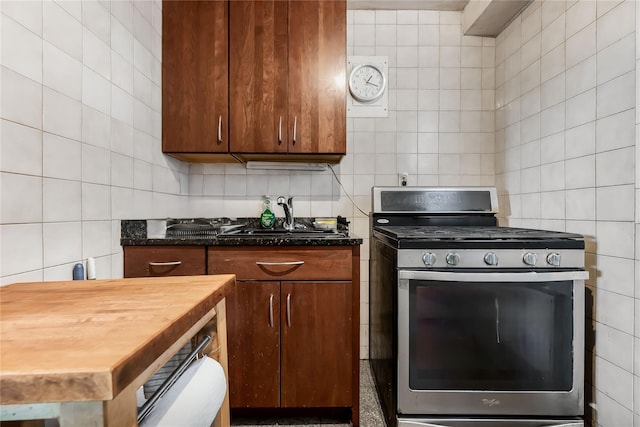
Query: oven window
point(490, 336)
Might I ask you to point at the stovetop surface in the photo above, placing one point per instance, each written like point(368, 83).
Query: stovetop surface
point(426, 232)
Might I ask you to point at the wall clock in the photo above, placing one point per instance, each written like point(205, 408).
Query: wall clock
point(368, 94)
point(367, 83)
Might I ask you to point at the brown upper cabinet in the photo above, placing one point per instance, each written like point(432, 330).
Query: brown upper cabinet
point(195, 80)
point(287, 75)
point(258, 82)
point(284, 80)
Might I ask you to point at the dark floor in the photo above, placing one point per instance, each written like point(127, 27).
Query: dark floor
point(370, 412)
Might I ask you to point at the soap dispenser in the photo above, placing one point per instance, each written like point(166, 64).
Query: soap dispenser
point(267, 218)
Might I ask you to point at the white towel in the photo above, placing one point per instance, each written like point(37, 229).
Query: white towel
point(193, 400)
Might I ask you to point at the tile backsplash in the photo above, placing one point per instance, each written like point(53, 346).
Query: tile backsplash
point(547, 112)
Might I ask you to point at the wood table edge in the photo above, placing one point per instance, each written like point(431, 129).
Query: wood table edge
point(108, 384)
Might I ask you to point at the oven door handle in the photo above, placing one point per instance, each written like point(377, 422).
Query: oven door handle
point(494, 277)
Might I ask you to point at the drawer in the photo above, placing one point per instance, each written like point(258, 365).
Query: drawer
point(145, 261)
point(292, 263)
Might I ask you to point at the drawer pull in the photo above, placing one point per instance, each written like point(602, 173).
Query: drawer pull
point(280, 263)
point(220, 129)
point(271, 311)
point(164, 264)
point(289, 310)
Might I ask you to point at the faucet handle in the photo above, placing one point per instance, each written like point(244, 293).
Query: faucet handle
point(281, 200)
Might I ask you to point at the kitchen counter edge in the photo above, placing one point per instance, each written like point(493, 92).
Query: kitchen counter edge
point(134, 233)
point(241, 241)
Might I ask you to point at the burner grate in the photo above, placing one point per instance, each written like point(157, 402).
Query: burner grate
point(191, 230)
point(472, 233)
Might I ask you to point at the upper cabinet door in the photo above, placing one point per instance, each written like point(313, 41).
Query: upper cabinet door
point(317, 66)
point(258, 76)
point(195, 88)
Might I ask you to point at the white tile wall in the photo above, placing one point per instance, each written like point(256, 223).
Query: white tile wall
point(545, 112)
point(636, 290)
point(574, 168)
point(75, 156)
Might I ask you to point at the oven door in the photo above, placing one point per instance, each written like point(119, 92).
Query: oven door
point(494, 343)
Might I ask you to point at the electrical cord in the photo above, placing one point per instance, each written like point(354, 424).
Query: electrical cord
point(345, 191)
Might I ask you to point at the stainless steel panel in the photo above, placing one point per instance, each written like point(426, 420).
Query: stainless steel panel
point(493, 277)
point(469, 422)
point(475, 258)
point(376, 198)
point(515, 403)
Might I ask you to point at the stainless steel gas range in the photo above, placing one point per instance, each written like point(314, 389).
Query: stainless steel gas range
point(472, 324)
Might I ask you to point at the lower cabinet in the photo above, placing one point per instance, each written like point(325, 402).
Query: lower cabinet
point(292, 321)
point(290, 344)
point(253, 327)
point(293, 325)
point(316, 345)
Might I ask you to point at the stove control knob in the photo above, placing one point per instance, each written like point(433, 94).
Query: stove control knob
point(530, 258)
point(429, 259)
point(453, 259)
point(490, 258)
point(553, 259)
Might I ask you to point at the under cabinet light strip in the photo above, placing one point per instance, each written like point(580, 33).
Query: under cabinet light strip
point(286, 166)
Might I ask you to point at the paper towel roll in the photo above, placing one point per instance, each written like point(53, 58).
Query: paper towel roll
point(193, 400)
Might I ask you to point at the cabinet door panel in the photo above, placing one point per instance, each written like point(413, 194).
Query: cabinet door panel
point(258, 76)
point(316, 344)
point(195, 76)
point(317, 66)
point(253, 327)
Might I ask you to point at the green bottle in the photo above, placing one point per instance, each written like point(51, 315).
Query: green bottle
point(267, 219)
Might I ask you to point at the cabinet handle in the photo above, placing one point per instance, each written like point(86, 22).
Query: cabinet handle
point(289, 310)
point(163, 264)
point(280, 263)
point(220, 129)
point(280, 131)
point(295, 128)
point(271, 311)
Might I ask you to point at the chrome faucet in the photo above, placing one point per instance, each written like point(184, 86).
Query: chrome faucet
point(287, 205)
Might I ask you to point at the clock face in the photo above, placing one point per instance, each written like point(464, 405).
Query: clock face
point(366, 83)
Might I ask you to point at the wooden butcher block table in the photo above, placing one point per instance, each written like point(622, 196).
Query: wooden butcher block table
point(79, 350)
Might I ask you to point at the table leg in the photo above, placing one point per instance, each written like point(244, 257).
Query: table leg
point(223, 419)
point(119, 412)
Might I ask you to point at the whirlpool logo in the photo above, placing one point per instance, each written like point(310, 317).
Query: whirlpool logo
point(490, 402)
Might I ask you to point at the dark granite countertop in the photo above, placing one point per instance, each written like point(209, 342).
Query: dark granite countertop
point(209, 232)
